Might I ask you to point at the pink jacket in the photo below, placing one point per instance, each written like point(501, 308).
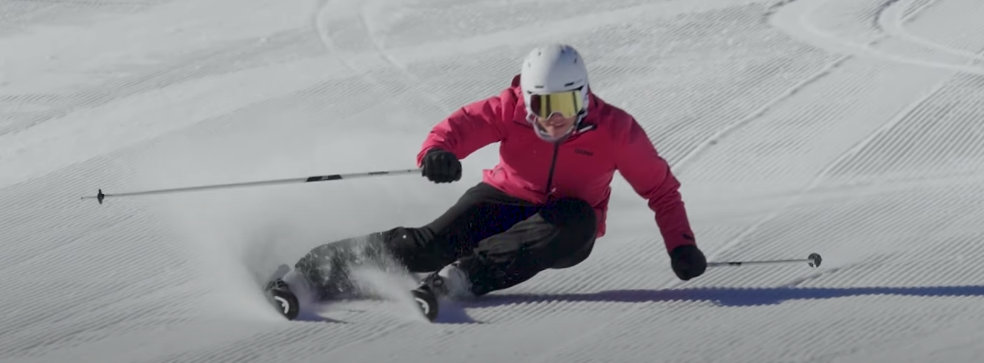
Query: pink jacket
point(609, 139)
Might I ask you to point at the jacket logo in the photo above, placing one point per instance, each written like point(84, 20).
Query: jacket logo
point(583, 152)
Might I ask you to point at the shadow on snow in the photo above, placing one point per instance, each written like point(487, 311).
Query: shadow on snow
point(727, 296)
point(455, 312)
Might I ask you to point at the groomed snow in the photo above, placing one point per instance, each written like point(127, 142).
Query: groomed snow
point(849, 128)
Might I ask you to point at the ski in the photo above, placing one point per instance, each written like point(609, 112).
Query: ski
point(287, 304)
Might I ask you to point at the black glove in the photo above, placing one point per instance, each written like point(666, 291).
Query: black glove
point(687, 262)
point(441, 166)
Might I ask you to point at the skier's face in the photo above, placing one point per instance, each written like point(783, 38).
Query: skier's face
point(556, 125)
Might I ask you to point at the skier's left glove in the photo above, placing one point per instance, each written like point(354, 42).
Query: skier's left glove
point(687, 262)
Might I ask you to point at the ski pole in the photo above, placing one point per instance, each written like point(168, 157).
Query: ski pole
point(310, 179)
point(813, 260)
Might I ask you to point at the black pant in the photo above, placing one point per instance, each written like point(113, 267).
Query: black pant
point(499, 240)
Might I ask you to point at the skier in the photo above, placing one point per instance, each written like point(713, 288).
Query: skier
point(542, 207)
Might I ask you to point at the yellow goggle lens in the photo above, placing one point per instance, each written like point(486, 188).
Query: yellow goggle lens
point(567, 104)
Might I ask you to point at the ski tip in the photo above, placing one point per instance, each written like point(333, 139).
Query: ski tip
point(285, 303)
point(427, 303)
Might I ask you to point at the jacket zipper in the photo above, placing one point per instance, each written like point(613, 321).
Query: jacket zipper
point(553, 164)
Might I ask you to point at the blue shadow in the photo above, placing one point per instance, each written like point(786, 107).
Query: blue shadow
point(727, 296)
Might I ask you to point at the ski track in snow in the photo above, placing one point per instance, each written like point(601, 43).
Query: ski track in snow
point(844, 127)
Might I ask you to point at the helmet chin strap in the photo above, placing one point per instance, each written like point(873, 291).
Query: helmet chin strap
point(546, 137)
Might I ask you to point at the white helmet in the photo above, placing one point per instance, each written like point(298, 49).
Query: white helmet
point(559, 71)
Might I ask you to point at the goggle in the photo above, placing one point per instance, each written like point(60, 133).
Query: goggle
point(567, 104)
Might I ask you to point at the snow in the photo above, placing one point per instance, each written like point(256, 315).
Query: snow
point(849, 128)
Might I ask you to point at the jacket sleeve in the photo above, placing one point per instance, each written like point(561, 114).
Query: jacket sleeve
point(650, 176)
point(466, 130)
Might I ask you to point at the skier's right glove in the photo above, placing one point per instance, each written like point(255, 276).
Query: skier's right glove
point(441, 166)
